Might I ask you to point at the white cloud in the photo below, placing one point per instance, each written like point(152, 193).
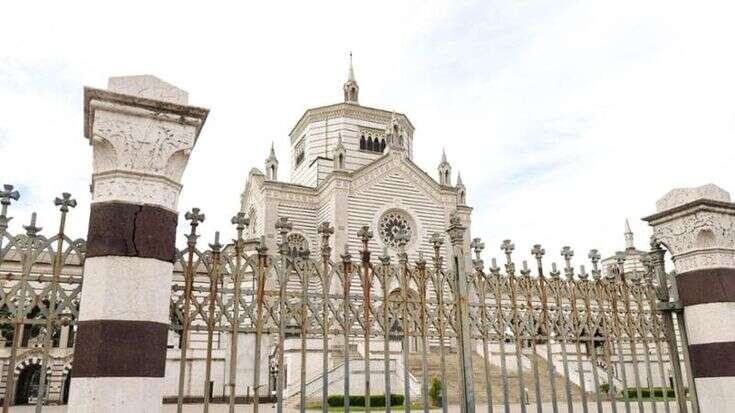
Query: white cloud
point(564, 119)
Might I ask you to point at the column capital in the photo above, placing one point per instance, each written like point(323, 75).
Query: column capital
point(697, 226)
point(142, 132)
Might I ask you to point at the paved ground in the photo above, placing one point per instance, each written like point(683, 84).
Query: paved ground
point(515, 408)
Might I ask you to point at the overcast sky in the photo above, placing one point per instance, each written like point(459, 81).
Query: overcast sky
point(565, 118)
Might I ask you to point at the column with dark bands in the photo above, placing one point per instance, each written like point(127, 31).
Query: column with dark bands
point(142, 133)
point(697, 225)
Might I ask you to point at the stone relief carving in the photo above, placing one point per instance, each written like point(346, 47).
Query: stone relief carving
point(141, 145)
point(136, 189)
point(705, 229)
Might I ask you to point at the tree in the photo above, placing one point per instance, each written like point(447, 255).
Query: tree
point(435, 391)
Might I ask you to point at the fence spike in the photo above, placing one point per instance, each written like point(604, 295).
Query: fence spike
point(554, 271)
point(32, 230)
point(538, 252)
point(525, 271)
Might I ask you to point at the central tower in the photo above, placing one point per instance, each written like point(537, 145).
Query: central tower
point(366, 135)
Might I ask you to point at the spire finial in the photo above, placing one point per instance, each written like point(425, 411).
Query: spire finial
point(459, 179)
point(351, 74)
point(444, 156)
point(350, 87)
point(629, 243)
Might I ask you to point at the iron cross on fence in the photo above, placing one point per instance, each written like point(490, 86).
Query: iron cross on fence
point(6, 195)
point(325, 230)
point(195, 216)
point(568, 253)
point(365, 236)
point(507, 246)
point(538, 252)
point(477, 246)
point(65, 202)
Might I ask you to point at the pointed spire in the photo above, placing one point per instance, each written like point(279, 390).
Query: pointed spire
point(350, 87)
point(272, 154)
point(461, 191)
point(445, 170)
point(271, 165)
point(629, 244)
point(351, 73)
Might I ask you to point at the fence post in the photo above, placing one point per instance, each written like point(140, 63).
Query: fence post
point(142, 132)
point(697, 226)
point(467, 385)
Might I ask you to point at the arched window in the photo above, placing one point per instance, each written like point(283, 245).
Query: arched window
point(382, 145)
point(363, 144)
point(341, 161)
point(370, 144)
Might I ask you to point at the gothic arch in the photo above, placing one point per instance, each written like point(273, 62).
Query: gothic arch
point(363, 143)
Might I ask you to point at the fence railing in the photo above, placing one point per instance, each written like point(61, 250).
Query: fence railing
point(297, 326)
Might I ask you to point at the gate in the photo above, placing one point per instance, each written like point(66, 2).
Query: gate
point(426, 334)
point(308, 331)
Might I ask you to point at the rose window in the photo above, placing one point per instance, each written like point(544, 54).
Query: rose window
point(396, 229)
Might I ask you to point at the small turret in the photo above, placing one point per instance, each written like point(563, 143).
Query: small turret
point(445, 171)
point(350, 88)
point(339, 154)
point(271, 165)
point(393, 135)
point(461, 191)
point(629, 244)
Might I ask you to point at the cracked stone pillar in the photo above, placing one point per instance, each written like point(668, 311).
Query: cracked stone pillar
point(142, 132)
point(697, 226)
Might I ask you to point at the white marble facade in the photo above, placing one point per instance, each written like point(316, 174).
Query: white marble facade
point(337, 178)
point(352, 165)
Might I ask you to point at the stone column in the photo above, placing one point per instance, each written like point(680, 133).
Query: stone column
point(142, 132)
point(697, 226)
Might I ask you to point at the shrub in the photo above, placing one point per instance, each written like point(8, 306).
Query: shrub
point(435, 391)
point(647, 393)
point(359, 400)
point(396, 400)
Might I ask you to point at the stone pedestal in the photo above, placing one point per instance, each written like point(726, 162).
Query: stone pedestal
point(142, 132)
point(697, 226)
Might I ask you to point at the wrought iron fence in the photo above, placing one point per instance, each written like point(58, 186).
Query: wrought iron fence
point(39, 305)
point(549, 339)
point(303, 328)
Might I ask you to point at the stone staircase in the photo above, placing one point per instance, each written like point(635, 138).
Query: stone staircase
point(496, 379)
